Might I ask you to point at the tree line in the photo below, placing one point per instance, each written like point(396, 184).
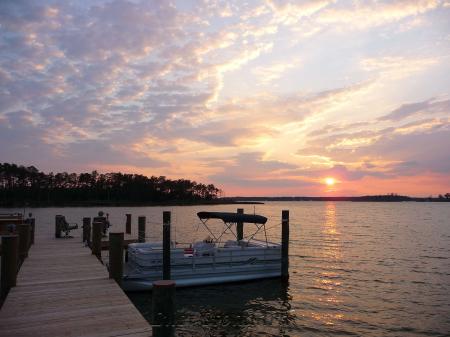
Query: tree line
point(20, 185)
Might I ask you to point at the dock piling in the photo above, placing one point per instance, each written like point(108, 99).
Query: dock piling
point(166, 245)
point(97, 227)
point(141, 229)
point(285, 245)
point(128, 224)
point(116, 256)
point(87, 230)
point(240, 226)
point(24, 231)
point(10, 262)
point(163, 308)
point(32, 222)
point(58, 226)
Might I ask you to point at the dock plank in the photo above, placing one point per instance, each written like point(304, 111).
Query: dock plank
point(63, 290)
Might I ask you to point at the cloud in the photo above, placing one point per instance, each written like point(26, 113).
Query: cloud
point(397, 67)
point(416, 147)
point(270, 73)
point(372, 14)
point(427, 107)
point(161, 87)
point(251, 171)
point(289, 13)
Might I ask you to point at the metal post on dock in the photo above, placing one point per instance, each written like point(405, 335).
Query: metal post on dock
point(163, 308)
point(24, 231)
point(97, 239)
point(141, 229)
point(240, 226)
point(128, 224)
point(87, 230)
point(32, 222)
point(10, 262)
point(285, 245)
point(116, 256)
point(166, 245)
point(58, 226)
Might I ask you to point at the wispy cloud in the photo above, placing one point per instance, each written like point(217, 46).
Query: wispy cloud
point(428, 107)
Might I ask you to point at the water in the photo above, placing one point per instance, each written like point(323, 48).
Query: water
point(371, 269)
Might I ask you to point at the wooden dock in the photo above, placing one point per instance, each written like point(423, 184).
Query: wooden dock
point(63, 290)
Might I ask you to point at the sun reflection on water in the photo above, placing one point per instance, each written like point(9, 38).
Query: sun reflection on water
point(330, 281)
point(330, 226)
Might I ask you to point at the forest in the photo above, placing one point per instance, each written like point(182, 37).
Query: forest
point(27, 186)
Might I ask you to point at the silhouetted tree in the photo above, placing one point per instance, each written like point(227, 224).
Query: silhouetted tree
point(20, 185)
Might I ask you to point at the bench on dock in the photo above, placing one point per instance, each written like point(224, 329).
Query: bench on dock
point(67, 227)
point(63, 226)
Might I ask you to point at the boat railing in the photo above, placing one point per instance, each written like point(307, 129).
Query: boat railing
point(230, 257)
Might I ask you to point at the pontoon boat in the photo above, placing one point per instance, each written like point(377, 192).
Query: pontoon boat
point(210, 261)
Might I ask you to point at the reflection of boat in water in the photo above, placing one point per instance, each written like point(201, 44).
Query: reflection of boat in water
point(210, 261)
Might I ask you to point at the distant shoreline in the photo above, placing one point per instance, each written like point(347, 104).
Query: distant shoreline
point(370, 198)
point(132, 204)
point(225, 201)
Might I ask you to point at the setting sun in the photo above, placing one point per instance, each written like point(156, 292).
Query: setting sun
point(330, 181)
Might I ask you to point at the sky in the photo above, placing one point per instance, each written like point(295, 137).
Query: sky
point(260, 98)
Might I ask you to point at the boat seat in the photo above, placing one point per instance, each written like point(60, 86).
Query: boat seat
point(231, 243)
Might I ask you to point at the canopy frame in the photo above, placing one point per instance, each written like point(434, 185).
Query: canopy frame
point(231, 219)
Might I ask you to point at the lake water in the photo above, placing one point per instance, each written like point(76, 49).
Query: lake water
point(366, 269)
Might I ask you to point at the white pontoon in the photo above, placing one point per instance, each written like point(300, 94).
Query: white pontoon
point(210, 261)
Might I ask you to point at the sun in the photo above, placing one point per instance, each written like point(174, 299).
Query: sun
point(330, 181)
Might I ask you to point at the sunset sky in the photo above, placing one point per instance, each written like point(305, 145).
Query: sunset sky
point(257, 97)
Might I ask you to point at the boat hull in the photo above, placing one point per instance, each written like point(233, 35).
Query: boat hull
point(191, 279)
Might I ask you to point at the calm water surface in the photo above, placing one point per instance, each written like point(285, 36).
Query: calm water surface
point(363, 269)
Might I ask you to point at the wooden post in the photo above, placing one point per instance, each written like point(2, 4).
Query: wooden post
point(116, 257)
point(33, 229)
point(24, 240)
point(240, 226)
point(163, 308)
point(141, 229)
point(58, 226)
point(128, 224)
point(10, 262)
point(166, 245)
point(285, 245)
point(101, 219)
point(97, 239)
point(86, 230)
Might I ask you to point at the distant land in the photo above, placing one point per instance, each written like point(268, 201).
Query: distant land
point(380, 198)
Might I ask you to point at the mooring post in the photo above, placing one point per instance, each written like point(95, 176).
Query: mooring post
point(285, 245)
point(240, 226)
point(32, 222)
point(10, 262)
point(116, 256)
point(163, 308)
point(166, 245)
point(97, 239)
point(58, 226)
point(24, 240)
point(86, 229)
point(128, 224)
point(141, 229)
